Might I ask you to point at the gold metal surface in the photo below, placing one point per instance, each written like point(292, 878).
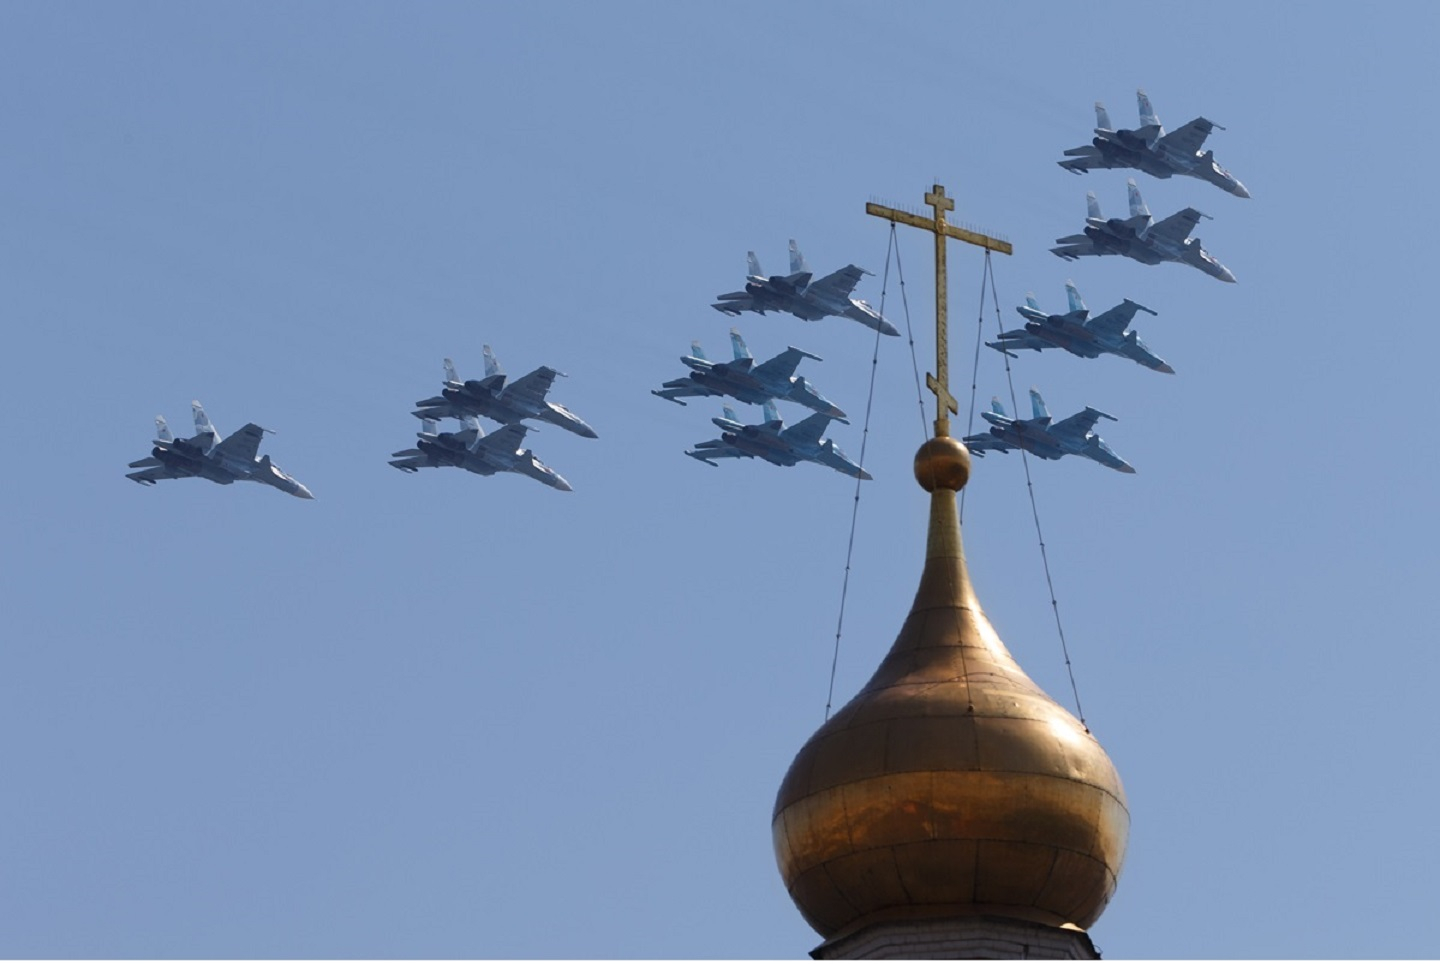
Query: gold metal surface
point(951, 784)
point(939, 203)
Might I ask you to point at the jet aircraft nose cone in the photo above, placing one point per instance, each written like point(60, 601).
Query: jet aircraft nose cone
point(1227, 275)
point(302, 492)
point(888, 329)
point(562, 485)
point(1239, 190)
point(1128, 469)
point(1166, 369)
point(587, 431)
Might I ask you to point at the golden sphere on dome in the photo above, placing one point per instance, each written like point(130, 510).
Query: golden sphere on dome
point(942, 463)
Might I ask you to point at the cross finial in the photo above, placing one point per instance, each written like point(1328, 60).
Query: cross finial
point(939, 383)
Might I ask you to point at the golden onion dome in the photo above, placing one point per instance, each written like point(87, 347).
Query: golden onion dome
point(951, 785)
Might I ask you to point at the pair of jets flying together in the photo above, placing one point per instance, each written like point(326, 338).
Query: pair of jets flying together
point(1150, 149)
point(492, 397)
point(762, 384)
point(234, 459)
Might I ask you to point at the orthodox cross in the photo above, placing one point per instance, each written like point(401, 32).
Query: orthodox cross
point(939, 383)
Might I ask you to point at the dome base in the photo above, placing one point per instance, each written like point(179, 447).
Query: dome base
point(977, 937)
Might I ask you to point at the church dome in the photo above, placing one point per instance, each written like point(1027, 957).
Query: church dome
point(951, 785)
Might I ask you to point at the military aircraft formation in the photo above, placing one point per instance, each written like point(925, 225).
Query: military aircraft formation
point(514, 403)
point(234, 458)
point(774, 380)
point(1151, 150)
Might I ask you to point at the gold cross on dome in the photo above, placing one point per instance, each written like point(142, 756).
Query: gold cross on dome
point(939, 383)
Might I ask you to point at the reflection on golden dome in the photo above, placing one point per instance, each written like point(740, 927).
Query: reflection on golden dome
point(951, 785)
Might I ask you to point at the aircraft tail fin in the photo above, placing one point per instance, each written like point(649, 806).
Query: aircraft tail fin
point(429, 426)
point(996, 407)
point(202, 424)
point(730, 413)
point(492, 367)
point(798, 264)
point(1076, 302)
point(1037, 405)
point(1138, 208)
point(771, 415)
point(450, 374)
point(1147, 113)
point(1030, 300)
point(1092, 206)
point(697, 352)
point(737, 344)
point(1102, 117)
point(162, 430)
point(752, 265)
point(472, 424)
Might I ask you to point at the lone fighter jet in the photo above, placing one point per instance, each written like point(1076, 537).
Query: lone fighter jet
point(797, 294)
point(1069, 436)
point(1106, 333)
point(1148, 148)
point(1138, 238)
point(745, 381)
point(493, 398)
point(206, 456)
point(775, 443)
point(471, 449)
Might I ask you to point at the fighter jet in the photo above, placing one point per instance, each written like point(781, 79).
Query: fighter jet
point(775, 443)
point(1106, 333)
point(205, 455)
point(797, 294)
point(1069, 436)
point(1138, 238)
point(1148, 148)
point(471, 449)
point(746, 381)
point(494, 399)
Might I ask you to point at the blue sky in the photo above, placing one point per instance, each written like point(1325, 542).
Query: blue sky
point(442, 715)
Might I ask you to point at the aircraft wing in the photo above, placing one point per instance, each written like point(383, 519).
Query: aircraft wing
point(1077, 426)
point(156, 471)
point(1012, 341)
point(781, 367)
point(508, 439)
point(1073, 247)
point(1117, 319)
point(985, 442)
point(240, 446)
point(807, 432)
point(716, 449)
point(531, 389)
point(735, 302)
point(413, 463)
point(1177, 227)
point(837, 286)
point(1187, 140)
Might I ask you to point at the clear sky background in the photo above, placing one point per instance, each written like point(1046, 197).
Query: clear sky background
point(441, 715)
